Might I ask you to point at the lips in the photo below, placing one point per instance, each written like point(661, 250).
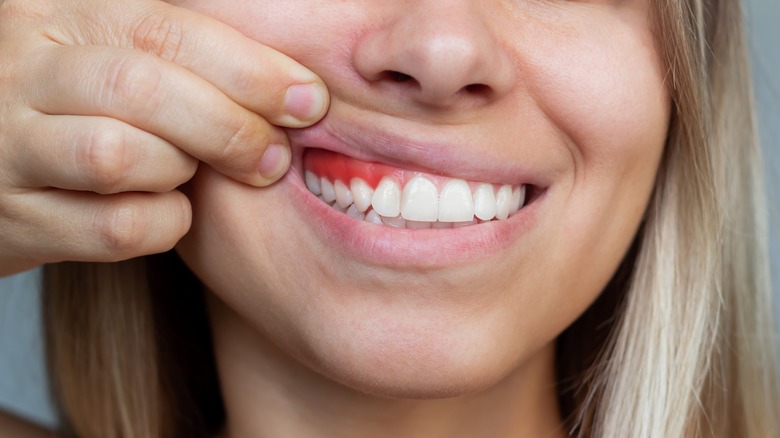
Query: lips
point(446, 151)
point(388, 207)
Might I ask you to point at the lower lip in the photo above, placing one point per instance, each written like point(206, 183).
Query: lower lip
point(404, 248)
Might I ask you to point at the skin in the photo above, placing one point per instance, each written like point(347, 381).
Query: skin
point(112, 107)
point(306, 332)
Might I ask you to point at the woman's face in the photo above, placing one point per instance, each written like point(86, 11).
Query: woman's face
point(564, 97)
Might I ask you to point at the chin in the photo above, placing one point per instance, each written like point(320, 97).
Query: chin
point(419, 353)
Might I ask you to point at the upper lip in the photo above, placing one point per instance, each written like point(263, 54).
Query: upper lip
point(444, 150)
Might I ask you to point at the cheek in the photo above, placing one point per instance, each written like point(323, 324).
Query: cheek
point(319, 35)
point(601, 85)
point(604, 91)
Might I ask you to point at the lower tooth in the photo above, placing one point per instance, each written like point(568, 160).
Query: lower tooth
point(418, 225)
point(374, 218)
point(463, 224)
point(397, 222)
point(352, 211)
point(441, 225)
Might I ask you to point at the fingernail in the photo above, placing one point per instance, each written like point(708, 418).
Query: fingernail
point(274, 162)
point(306, 102)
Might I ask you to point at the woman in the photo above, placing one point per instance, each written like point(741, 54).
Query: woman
point(515, 219)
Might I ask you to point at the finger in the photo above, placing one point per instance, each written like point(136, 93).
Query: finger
point(101, 228)
point(250, 73)
point(165, 100)
point(96, 154)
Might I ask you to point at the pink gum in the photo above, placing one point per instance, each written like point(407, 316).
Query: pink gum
point(334, 166)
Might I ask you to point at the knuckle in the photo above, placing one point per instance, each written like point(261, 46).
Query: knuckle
point(104, 159)
point(161, 34)
point(19, 19)
point(134, 81)
point(23, 9)
point(121, 227)
point(243, 136)
point(255, 82)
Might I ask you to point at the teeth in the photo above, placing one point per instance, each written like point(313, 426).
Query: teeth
point(463, 224)
point(456, 203)
point(518, 199)
point(313, 183)
point(353, 212)
point(484, 202)
point(419, 205)
point(397, 222)
point(418, 225)
point(418, 201)
point(387, 198)
point(328, 191)
point(374, 218)
point(362, 193)
point(343, 194)
point(503, 200)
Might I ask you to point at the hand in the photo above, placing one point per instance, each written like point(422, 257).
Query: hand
point(106, 106)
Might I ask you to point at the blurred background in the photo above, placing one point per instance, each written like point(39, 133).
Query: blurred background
point(22, 378)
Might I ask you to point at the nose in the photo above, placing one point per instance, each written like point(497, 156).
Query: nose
point(439, 53)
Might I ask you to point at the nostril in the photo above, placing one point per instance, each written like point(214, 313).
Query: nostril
point(397, 76)
point(476, 89)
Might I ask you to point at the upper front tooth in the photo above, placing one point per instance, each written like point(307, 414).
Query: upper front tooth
point(328, 191)
point(503, 200)
point(343, 194)
point(456, 203)
point(418, 201)
point(387, 197)
point(484, 202)
point(361, 193)
point(312, 183)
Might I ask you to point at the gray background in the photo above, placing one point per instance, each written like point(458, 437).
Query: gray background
point(22, 377)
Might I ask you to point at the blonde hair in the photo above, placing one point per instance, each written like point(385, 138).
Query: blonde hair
point(679, 344)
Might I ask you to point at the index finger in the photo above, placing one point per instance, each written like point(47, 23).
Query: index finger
point(253, 75)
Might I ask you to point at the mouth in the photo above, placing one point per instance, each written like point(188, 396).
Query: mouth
point(412, 202)
point(395, 197)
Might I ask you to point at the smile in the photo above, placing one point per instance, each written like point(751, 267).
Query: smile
point(386, 195)
point(420, 201)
